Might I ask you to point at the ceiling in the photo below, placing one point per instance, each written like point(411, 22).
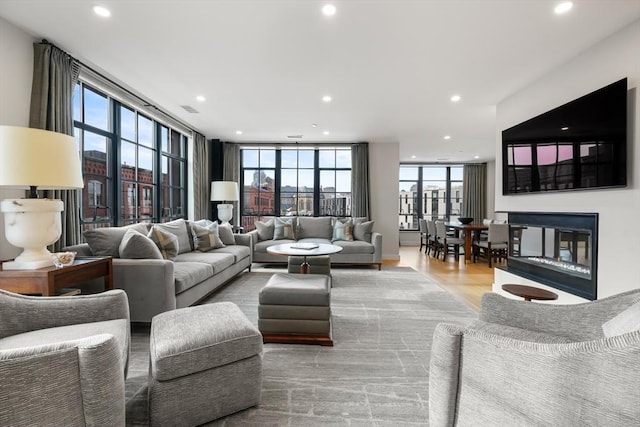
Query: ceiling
point(390, 66)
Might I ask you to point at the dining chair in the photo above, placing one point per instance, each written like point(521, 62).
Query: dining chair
point(446, 242)
point(424, 235)
point(496, 244)
point(432, 243)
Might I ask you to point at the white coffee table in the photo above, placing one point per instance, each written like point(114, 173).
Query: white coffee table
point(290, 249)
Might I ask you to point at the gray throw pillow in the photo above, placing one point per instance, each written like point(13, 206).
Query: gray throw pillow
point(135, 245)
point(265, 229)
point(206, 238)
point(106, 241)
point(180, 229)
point(342, 231)
point(625, 322)
point(165, 241)
point(226, 234)
point(283, 229)
point(363, 231)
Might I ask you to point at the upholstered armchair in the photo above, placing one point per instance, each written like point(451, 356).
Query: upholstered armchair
point(63, 360)
point(526, 364)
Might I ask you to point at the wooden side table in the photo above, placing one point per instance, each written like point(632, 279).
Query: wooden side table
point(530, 293)
point(45, 281)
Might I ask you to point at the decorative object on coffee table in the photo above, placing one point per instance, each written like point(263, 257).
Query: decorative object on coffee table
point(35, 159)
point(224, 191)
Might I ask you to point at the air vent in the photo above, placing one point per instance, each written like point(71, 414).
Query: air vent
point(294, 136)
point(190, 109)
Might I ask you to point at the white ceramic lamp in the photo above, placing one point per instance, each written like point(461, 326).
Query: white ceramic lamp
point(35, 159)
point(224, 191)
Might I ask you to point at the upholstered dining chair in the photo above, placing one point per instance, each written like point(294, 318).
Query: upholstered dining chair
point(424, 235)
point(495, 247)
point(63, 360)
point(431, 237)
point(448, 243)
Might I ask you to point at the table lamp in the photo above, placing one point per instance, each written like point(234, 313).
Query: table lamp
point(35, 159)
point(224, 191)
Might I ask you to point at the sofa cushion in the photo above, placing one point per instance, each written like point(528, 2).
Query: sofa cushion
point(217, 260)
point(265, 229)
point(135, 245)
point(362, 231)
point(206, 238)
point(189, 274)
point(106, 241)
point(342, 230)
point(283, 229)
point(625, 322)
point(314, 227)
point(263, 245)
point(239, 252)
point(166, 242)
point(180, 229)
point(355, 247)
point(226, 234)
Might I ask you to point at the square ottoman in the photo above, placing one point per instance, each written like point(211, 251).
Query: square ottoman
point(296, 309)
point(320, 264)
point(206, 362)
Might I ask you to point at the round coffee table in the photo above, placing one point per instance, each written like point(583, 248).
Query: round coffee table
point(530, 293)
point(304, 250)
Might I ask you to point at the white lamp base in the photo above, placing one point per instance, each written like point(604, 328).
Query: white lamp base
point(225, 212)
point(31, 224)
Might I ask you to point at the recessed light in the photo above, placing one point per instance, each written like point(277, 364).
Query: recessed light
point(564, 128)
point(101, 11)
point(563, 7)
point(455, 98)
point(326, 132)
point(329, 10)
point(238, 132)
point(476, 157)
point(200, 98)
point(413, 157)
point(447, 137)
point(313, 125)
point(326, 98)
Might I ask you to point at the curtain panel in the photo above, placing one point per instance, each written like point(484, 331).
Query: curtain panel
point(360, 191)
point(55, 75)
point(201, 177)
point(474, 191)
point(231, 172)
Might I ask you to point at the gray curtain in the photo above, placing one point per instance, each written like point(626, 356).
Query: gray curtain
point(474, 191)
point(55, 75)
point(360, 192)
point(201, 177)
point(231, 172)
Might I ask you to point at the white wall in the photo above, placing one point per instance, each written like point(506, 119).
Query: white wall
point(384, 169)
point(618, 240)
point(16, 70)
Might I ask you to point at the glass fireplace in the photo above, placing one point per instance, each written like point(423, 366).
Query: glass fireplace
point(556, 249)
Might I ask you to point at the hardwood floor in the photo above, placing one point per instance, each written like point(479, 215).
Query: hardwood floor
point(467, 282)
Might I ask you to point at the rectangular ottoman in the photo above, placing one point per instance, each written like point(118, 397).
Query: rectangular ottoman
point(206, 362)
point(296, 309)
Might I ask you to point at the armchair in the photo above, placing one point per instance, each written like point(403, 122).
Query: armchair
point(525, 363)
point(63, 360)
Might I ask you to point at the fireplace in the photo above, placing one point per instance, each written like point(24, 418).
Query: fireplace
point(556, 249)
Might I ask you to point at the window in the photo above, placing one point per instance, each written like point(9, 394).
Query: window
point(121, 161)
point(429, 192)
point(295, 181)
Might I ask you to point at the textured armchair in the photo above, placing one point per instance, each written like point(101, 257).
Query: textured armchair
point(63, 360)
point(526, 364)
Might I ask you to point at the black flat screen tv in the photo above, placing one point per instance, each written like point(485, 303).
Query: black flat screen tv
point(579, 145)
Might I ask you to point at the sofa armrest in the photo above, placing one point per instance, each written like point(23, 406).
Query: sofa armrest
point(244, 239)
point(22, 313)
point(82, 249)
point(376, 240)
point(254, 237)
point(444, 368)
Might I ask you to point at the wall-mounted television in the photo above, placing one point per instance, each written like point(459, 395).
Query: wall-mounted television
point(579, 145)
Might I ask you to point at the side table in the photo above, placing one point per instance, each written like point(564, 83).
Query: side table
point(45, 281)
point(530, 293)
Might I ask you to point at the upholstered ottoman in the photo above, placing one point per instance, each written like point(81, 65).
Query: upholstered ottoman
point(206, 362)
point(296, 309)
point(320, 264)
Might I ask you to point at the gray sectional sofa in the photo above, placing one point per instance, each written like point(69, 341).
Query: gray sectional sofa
point(361, 246)
point(157, 285)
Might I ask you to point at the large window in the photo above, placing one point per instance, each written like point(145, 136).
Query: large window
point(134, 167)
point(295, 181)
point(429, 192)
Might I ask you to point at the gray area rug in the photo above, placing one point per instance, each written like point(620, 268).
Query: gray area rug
point(377, 373)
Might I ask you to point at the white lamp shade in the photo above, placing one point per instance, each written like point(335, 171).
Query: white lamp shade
point(39, 158)
point(222, 191)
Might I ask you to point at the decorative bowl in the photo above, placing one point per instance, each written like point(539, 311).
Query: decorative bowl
point(465, 220)
point(63, 259)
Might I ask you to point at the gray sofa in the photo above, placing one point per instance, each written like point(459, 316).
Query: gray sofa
point(527, 364)
point(365, 247)
point(154, 286)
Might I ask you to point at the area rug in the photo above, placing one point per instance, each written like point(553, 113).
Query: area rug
point(377, 373)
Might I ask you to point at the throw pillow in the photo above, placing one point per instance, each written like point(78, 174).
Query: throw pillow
point(135, 245)
point(283, 229)
point(363, 231)
point(265, 229)
point(226, 234)
point(206, 238)
point(106, 241)
point(315, 227)
point(625, 322)
point(180, 229)
point(342, 231)
point(165, 241)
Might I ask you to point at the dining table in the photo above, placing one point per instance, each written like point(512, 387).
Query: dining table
point(470, 230)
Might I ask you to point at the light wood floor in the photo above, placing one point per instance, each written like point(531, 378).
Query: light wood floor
point(466, 281)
